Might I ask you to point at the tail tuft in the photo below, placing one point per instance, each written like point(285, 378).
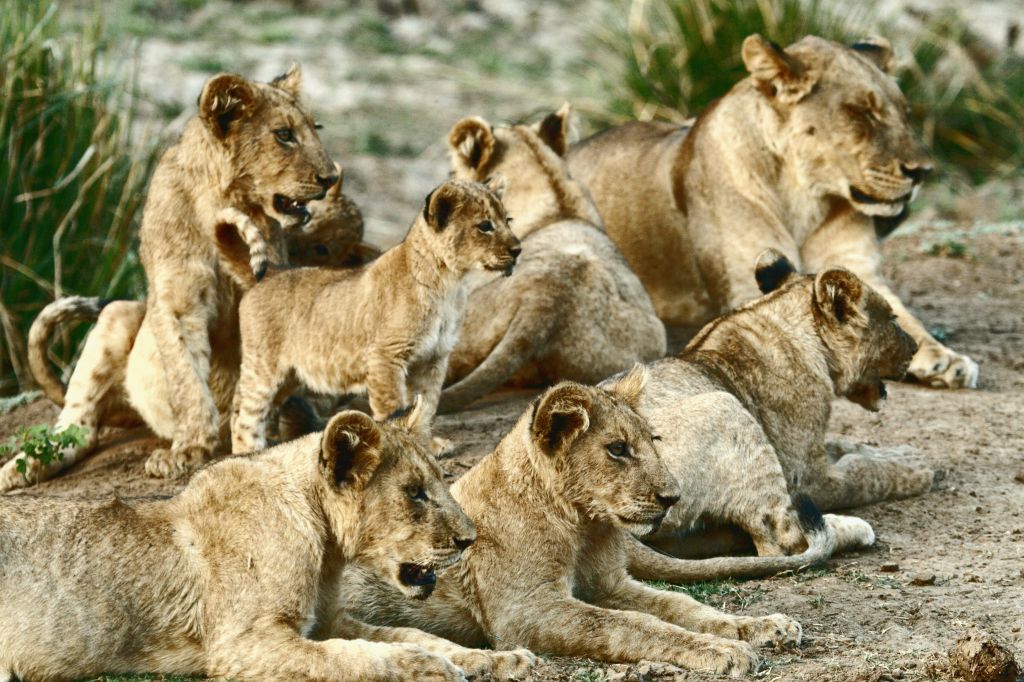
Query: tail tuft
point(810, 516)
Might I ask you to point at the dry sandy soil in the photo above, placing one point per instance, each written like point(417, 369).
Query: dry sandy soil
point(860, 623)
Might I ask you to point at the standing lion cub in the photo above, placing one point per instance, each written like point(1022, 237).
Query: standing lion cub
point(387, 327)
point(226, 578)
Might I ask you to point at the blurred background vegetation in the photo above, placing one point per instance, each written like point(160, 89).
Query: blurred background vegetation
point(87, 85)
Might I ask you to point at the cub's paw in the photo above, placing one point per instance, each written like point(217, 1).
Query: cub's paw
point(940, 367)
point(175, 462)
point(441, 446)
point(728, 657)
point(12, 479)
point(775, 630)
point(851, 532)
point(411, 662)
point(514, 664)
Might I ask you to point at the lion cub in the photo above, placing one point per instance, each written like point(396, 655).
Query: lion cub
point(555, 507)
point(225, 578)
point(387, 327)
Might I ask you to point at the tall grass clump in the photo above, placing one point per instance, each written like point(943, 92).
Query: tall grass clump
point(667, 59)
point(71, 178)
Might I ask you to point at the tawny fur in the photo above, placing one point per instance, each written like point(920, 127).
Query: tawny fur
point(744, 410)
point(386, 328)
point(556, 506)
point(96, 393)
point(227, 578)
point(573, 309)
point(808, 155)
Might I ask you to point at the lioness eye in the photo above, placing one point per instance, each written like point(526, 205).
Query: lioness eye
point(416, 492)
point(618, 449)
point(486, 226)
point(284, 135)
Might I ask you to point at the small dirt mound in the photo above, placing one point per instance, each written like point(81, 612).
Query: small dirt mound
point(977, 657)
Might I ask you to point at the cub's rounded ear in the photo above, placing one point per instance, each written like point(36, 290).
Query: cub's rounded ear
point(554, 129)
point(782, 75)
point(877, 50)
point(837, 294)
point(560, 415)
point(472, 143)
point(497, 184)
point(225, 99)
point(349, 449)
point(440, 204)
point(630, 386)
point(772, 270)
point(290, 82)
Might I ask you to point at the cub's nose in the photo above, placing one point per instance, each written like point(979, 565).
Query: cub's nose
point(463, 543)
point(327, 182)
point(516, 250)
point(667, 501)
point(916, 172)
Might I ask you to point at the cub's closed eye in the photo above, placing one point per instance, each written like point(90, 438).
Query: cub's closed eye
point(486, 226)
point(416, 492)
point(655, 436)
point(284, 135)
point(318, 126)
point(618, 449)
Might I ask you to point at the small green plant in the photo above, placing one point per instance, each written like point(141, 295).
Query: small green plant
point(43, 443)
point(950, 248)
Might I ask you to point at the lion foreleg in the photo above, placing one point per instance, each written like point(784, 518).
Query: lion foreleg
point(257, 387)
point(685, 611)
point(386, 384)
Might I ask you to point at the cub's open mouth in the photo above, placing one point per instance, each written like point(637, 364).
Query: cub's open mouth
point(288, 206)
point(865, 198)
point(652, 522)
point(414, 575)
point(504, 267)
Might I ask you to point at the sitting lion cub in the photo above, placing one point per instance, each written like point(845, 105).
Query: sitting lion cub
point(388, 326)
point(554, 506)
point(225, 578)
point(744, 410)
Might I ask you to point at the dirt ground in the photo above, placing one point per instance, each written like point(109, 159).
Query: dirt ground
point(860, 623)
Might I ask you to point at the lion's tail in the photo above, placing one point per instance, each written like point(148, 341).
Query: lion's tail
point(512, 352)
point(60, 311)
point(823, 540)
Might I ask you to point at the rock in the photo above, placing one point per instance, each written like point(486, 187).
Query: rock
point(1019, 477)
point(923, 579)
point(889, 568)
point(978, 657)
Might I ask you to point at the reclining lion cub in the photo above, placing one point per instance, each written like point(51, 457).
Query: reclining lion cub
point(572, 309)
point(386, 328)
point(227, 577)
point(554, 507)
point(812, 155)
point(743, 412)
point(251, 148)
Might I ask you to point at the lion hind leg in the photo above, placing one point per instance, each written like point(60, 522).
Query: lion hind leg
point(869, 475)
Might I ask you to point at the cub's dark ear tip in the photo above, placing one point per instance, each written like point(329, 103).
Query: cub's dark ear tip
point(810, 516)
point(772, 270)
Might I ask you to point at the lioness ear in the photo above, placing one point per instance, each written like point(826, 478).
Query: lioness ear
point(783, 75)
point(225, 99)
point(837, 293)
point(560, 415)
point(471, 142)
point(554, 129)
point(290, 82)
point(348, 449)
point(440, 204)
point(876, 49)
point(772, 270)
point(497, 184)
point(630, 387)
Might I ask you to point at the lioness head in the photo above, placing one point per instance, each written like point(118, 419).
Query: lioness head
point(387, 497)
point(275, 156)
point(334, 230)
point(843, 116)
point(602, 452)
point(854, 322)
point(467, 227)
point(532, 158)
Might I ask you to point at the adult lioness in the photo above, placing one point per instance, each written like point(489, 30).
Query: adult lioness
point(554, 506)
point(811, 154)
point(253, 148)
point(572, 309)
point(743, 411)
point(227, 577)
